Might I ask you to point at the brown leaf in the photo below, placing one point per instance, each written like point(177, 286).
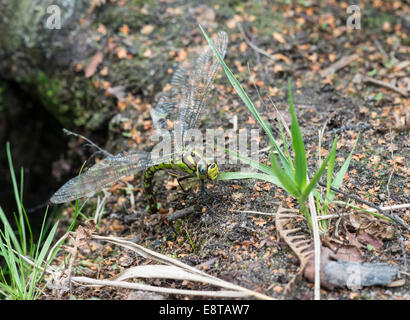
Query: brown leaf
point(204, 15)
point(279, 37)
point(104, 71)
point(125, 29)
point(353, 241)
point(121, 53)
point(377, 243)
point(94, 62)
point(147, 29)
point(349, 253)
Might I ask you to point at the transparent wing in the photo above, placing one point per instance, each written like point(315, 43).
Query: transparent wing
point(169, 100)
point(190, 87)
point(105, 172)
point(199, 82)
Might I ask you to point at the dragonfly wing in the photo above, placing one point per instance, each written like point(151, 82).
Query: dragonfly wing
point(105, 172)
point(190, 87)
point(199, 82)
point(168, 100)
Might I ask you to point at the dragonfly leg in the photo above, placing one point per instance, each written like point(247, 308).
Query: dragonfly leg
point(203, 192)
point(182, 179)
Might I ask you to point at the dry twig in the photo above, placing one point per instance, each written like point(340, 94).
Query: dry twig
point(384, 85)
point(340, 64)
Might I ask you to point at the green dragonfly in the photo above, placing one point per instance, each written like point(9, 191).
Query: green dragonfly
point(190, 89)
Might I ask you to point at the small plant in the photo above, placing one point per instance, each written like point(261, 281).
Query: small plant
point(22, 274)
point(288, 173)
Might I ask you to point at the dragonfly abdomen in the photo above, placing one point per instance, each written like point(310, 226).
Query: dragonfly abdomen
point(150, 173)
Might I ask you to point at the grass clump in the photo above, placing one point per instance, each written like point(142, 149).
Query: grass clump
point(285, 171)
point(22, 273)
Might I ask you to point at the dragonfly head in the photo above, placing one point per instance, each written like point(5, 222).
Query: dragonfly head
point(207, 169)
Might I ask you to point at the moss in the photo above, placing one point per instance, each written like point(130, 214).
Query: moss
point(116, 16)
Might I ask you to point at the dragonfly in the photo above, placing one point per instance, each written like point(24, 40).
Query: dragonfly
point(189, 93)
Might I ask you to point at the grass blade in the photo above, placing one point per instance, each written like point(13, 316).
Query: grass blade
point(254, 164)
point(249, 175)
point(312, 184)
point(298, 145)
point(242, 94)
point(337, 182)
point(287, 182)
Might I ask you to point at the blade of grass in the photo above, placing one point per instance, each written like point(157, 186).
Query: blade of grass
point(298, 145)
point(287, 182)
point(330, 170)
point(290, 169)
point(337, 182)
point(373, 213)
point(249, 175)
point(242, 94)
point(19, 219)
point(312, 184)
point(13, 237)
point(254, 164)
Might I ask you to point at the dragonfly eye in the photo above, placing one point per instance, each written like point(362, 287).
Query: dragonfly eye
point(201, 169)
point(212, 166)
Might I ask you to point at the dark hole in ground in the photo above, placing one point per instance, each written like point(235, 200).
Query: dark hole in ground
point(36, 142)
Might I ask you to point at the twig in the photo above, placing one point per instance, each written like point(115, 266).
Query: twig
point(181, 213)
point(254, 47)
point(70, 133)
point(316, 243)
point(343, 62)
point(338, 215)
point(360, 126)
point(395, 219)
point(380, 48)
point(384, 84)
point(272, 214)
point(100, 204)
point(145, 287)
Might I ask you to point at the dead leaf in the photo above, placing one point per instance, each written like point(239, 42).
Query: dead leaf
point(104, 71)
point(279, 37)
point(125, 29)
point(364, 237)
point(121, 53)
point(371, 225)
point(102, 29)
point(92, 66)
point(204, 15)
point(352, 240)
point(349, 253)
point(147, 29)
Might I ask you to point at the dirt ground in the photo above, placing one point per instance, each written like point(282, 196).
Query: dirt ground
point(299, 41)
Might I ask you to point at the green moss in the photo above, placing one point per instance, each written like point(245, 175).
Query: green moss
point(116, 16)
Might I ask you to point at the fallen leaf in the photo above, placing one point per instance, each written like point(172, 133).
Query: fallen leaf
point(121, 53)
point(125, 29)
point(94, 62)
point(204, 15)
point(102, 29)
point(279, 37)
point(104, 71)
point(147, 29)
